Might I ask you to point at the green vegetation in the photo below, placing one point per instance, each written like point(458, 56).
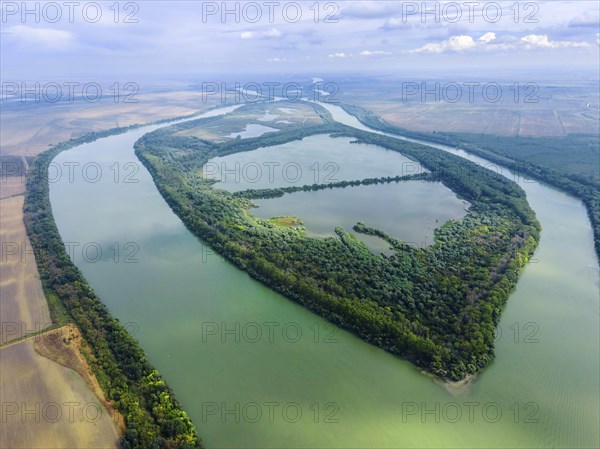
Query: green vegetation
point(575, 156)
point(154, 418)
point(437, 307)
point(280, 191)
point(571, 163)
point(287, 222)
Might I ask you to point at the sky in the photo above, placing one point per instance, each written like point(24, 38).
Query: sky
point(160, 39)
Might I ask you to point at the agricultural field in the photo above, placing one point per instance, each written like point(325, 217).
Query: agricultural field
point(29, 128)
point(47, 403)
point(540, 109)
point(23, 307)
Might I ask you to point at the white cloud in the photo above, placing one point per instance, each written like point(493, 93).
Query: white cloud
point(487, 37)
point(488, 42)
point(374, 53)
point(455, 43)
point(270, 34)
point(274, 32)
point(276, 60)
point(532, 41)
point(339, 55)
point(45, 37)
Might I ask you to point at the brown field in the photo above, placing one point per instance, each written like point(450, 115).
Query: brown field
point(46, 404)
point(507, 120)
point(23, 307)
point(65, 346)
point(442, 117)
point(11, 186)
point(28, 130)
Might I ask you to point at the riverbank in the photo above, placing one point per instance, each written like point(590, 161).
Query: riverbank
point(130, 383)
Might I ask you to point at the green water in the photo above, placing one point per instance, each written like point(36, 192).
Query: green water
point(407, 210)
point(184, 303)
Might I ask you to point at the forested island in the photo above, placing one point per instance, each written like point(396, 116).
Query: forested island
point(437, 306)
point(153, 417)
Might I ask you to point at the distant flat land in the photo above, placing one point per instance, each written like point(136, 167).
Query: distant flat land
point(28, 129)
point(260, 117)
point(553, 110)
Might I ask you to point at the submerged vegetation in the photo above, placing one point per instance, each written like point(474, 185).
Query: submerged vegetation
point(153, 417)
point(437, 306)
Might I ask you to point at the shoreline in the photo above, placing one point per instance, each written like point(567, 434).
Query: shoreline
point(452, 386)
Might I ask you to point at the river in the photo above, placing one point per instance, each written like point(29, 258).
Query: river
point(253, 369)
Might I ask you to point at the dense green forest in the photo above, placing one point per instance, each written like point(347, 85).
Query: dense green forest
point(576, 156)
point(571, 163)
point(153, 417)
point(437, 307)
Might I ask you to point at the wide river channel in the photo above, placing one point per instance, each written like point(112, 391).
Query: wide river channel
point(255, 370)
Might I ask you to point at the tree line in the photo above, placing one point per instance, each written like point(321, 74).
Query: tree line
point(153, 416)
point(278, 192)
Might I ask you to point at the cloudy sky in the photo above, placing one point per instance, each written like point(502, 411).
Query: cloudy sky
point(194, 38)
